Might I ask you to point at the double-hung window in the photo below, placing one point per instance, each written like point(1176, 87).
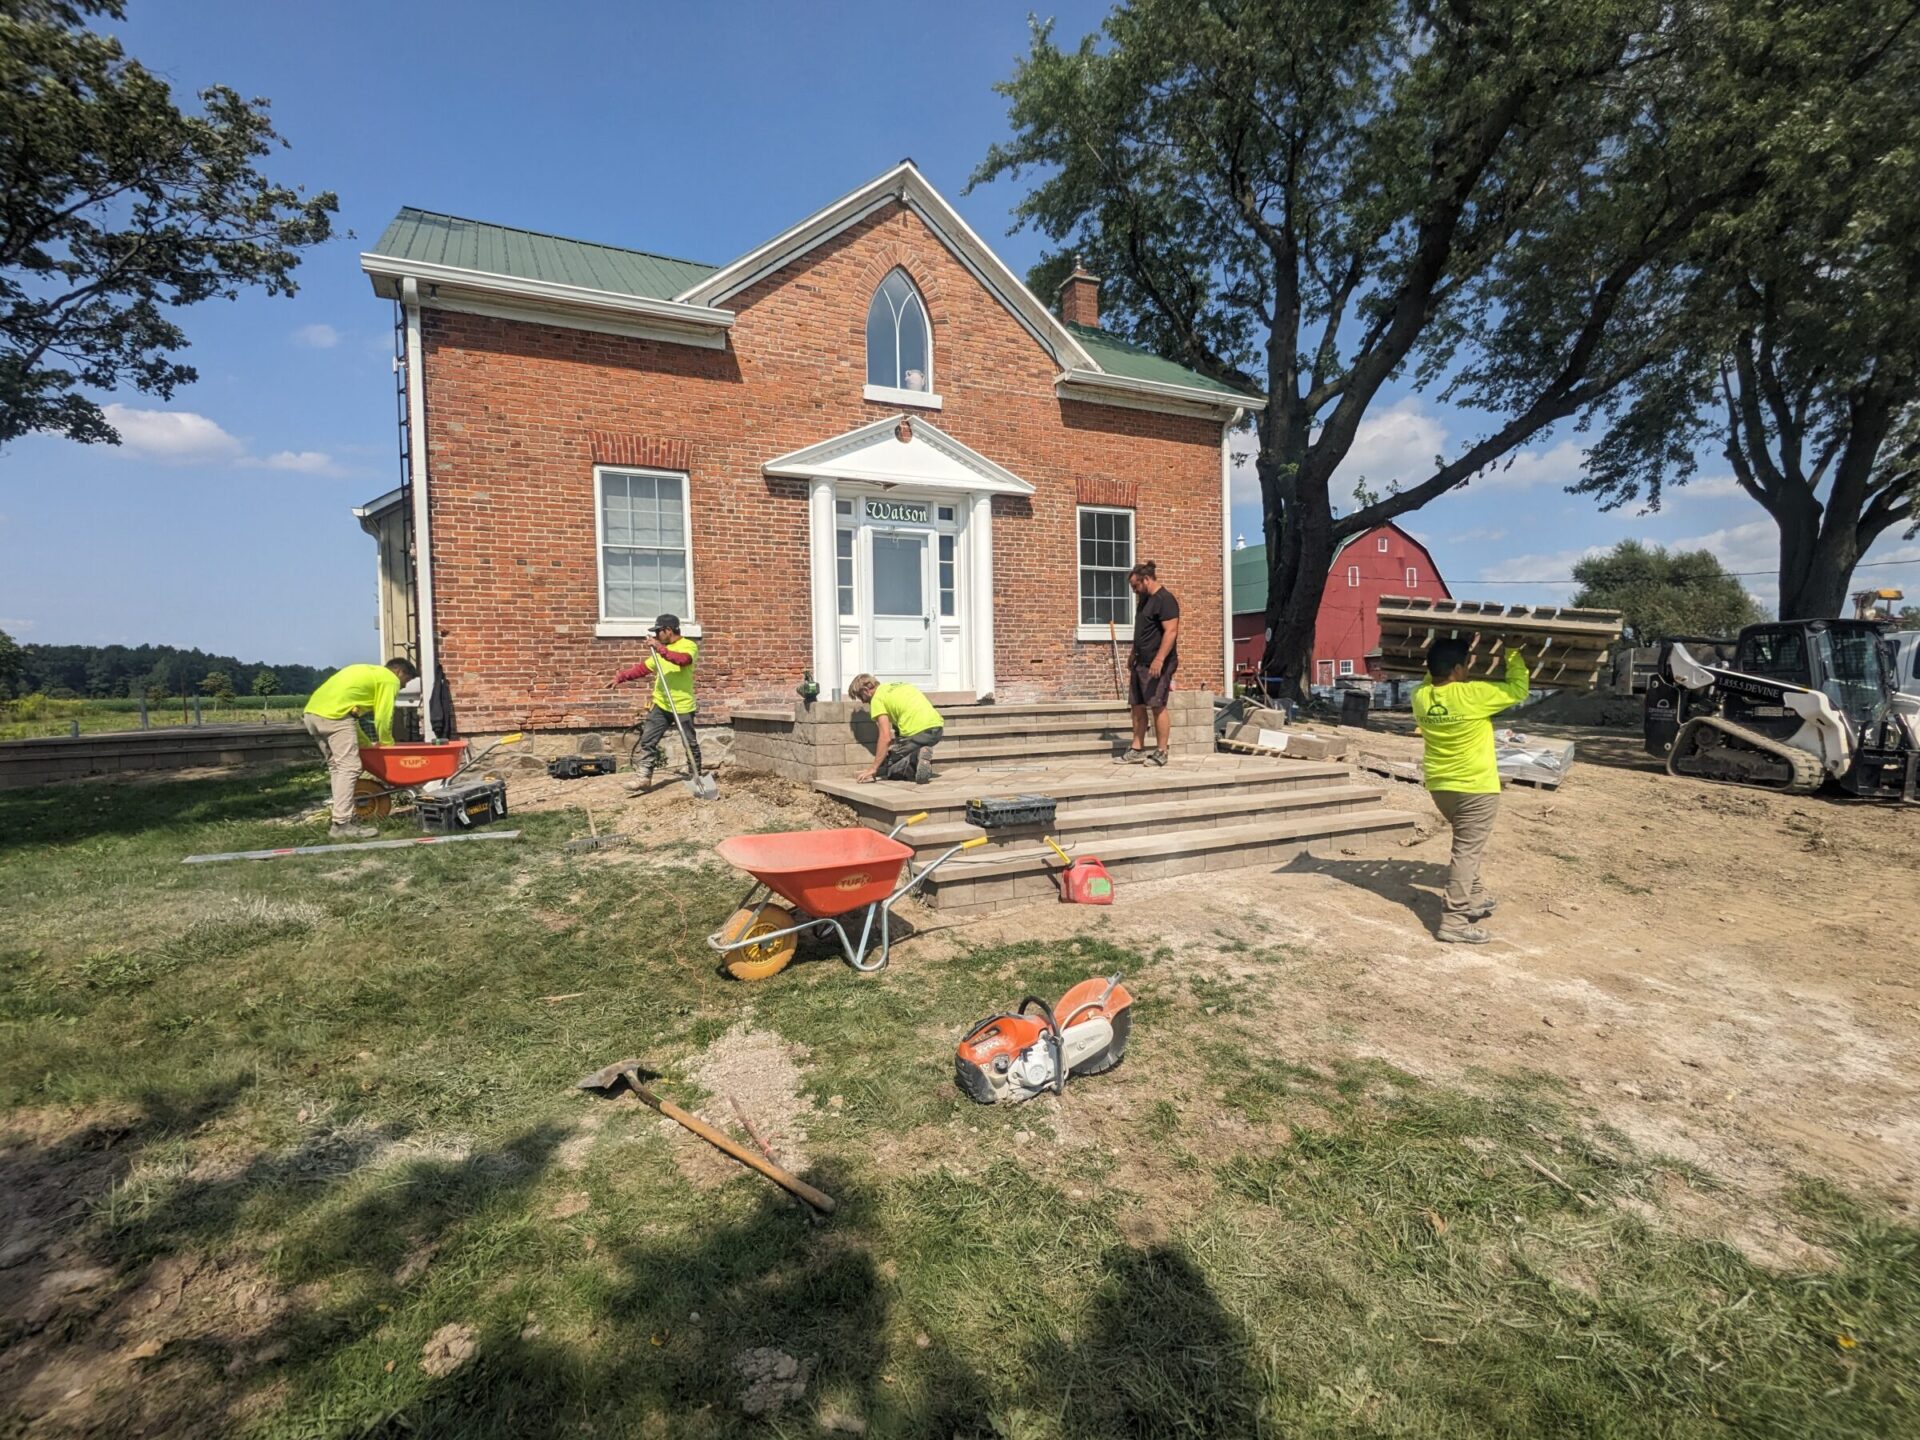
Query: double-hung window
point(1106, 555)
point(646, 548)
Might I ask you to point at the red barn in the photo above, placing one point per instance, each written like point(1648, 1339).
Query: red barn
point(1382, 561)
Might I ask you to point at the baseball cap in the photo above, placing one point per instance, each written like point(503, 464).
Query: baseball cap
point(665, 622)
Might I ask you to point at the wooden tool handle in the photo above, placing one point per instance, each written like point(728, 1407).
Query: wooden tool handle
point(819, 1199)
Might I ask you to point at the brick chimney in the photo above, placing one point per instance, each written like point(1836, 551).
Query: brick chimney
point(1079, 297)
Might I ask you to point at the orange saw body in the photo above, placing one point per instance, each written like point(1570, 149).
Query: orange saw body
point(1013, 1057)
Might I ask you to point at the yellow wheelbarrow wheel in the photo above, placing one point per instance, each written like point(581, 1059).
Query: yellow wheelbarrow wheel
point(754, 960)
point(371, 799)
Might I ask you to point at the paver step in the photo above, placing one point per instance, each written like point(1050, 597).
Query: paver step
point(978, 750)
point(1099, 819)
point(983, 880)
point(982, 724)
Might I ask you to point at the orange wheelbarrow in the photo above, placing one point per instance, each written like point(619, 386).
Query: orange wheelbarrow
point(823, 876)
point(402, 769)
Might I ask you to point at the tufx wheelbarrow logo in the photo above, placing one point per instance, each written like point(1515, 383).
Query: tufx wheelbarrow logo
point(851, 882)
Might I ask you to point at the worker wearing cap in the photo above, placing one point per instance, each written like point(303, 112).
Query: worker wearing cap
point(330, 719)
point(671, 665)
point(909, 729)
point(1455, 716)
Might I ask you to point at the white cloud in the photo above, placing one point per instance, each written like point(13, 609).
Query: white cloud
point(1706, 487)
point(172, 437)
point(1559, 467)
point(303, 462)
point(180, 437)
point(1397, 443)
point(1472, 537)
point(317, 337)
point(15, 627)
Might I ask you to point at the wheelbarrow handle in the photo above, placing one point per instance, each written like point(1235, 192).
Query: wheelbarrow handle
point(894, 833)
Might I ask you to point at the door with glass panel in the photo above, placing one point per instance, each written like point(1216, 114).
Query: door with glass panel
point(903, 633)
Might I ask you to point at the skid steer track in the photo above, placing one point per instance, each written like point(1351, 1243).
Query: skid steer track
point(1701, 736)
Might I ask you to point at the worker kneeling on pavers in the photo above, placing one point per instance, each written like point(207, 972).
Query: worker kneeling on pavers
point(671, 665)
point(1463, 776)
point(909, 729)
point(330, 719)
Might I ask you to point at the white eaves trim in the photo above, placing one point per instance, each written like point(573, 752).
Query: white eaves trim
point(874, 455)
point(1102, 388)
point(903, 183)
point(453, 287)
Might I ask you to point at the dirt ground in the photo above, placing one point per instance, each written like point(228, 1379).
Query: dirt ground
point(1725, 976)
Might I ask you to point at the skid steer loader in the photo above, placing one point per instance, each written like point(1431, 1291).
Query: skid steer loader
point(1796, 705)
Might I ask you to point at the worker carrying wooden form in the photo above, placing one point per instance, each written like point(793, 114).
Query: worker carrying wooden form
point(1564, 647)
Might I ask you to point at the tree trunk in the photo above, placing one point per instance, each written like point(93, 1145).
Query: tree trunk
point(1816, 569)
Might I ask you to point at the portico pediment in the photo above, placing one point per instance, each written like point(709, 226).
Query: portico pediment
point(900, 450)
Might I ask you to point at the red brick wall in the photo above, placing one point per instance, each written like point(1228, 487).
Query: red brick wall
point(518, 413)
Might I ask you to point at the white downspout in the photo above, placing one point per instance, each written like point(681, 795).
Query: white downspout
point(422, 525)
point(1226, 549)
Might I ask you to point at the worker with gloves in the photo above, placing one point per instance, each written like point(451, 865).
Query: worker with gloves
point(671, 666)
point(331, 719)
point(1455, 716)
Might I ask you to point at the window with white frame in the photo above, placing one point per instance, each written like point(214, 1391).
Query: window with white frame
point(646, 566)
point(1413, 577)
point(1346, 667)
point(1381, 544)
point(946, 577)
point(1353, 577)
point(1106, 555)
point(843, 569)
point(899, 346)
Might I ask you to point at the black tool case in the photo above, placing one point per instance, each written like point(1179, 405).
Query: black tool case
point(454, 808)
point(572, 767)
point(993, 814)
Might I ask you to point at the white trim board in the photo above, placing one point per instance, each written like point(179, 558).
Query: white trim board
point(873, 455)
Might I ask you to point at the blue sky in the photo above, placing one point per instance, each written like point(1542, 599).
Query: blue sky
point(696, 131)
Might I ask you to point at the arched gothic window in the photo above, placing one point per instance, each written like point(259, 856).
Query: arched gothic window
point(899, 348)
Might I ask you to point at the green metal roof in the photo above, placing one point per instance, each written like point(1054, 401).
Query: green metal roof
point(1119, 357)
point(437, 239)
point(531, 255)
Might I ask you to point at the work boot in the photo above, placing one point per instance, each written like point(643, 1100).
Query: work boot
point(1462, 935)
point(352, 832)
point(922, 768)
point(641, 783)
point(1482, 905)
point(1133, 755)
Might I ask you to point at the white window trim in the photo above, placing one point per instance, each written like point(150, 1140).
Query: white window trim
point(1101, 632)
point(1413, 577)
point(1346, 667)
point(926, 321)
point(1353, 577)
point(623, 627)
point(888, 395)
point(1380, 544)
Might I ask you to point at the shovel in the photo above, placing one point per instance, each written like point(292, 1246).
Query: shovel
point(629, 1073)
point(702, 786)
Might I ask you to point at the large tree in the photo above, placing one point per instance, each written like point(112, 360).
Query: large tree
point(1661, 592)
point(1798, 345)
point(117, 207)
point(1487, 201)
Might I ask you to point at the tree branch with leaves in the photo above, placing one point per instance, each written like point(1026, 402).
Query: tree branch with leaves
point(117, 208)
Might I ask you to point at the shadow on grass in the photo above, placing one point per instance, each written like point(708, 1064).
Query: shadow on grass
point(158, 808)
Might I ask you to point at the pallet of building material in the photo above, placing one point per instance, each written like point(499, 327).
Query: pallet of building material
point(1411, 771)
point(1284, 745)
point(1565, 647)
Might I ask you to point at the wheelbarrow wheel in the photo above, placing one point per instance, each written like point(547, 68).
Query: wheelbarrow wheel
point(754, 960)
point(371, 799)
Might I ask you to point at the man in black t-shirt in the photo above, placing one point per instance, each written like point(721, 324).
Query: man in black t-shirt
point(1156, 655)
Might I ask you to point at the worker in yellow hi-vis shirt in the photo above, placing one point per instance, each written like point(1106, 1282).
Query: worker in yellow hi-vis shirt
point(330, 720)
point(1455, 716)
point(670, 664)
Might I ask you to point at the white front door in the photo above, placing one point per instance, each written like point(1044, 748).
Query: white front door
point(903, 623)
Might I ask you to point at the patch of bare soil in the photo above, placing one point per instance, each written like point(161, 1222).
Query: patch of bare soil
point(1723, 975)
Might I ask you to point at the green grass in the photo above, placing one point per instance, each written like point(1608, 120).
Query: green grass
point(36, 717)
point(335, 1081)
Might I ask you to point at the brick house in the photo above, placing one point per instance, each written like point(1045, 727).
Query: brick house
point(864, 445)
point(1385, 560)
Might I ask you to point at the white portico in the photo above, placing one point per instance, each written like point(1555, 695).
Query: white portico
point(900, 533)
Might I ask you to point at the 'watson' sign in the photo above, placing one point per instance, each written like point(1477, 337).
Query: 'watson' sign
point(910, 512)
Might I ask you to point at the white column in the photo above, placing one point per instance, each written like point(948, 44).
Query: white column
point(979, 607)
point(825, 581)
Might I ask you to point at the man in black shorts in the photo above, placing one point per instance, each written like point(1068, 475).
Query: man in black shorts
point(1156, 655)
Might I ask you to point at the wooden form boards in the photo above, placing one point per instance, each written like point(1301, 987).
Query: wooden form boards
point(1564, 647)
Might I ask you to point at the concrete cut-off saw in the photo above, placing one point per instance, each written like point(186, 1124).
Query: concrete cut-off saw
point(1036, 1048)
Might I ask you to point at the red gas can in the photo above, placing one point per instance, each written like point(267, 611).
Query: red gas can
point(1085, 881)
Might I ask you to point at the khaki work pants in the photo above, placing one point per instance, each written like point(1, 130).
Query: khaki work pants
point(339, 742)
point(1471, 817)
